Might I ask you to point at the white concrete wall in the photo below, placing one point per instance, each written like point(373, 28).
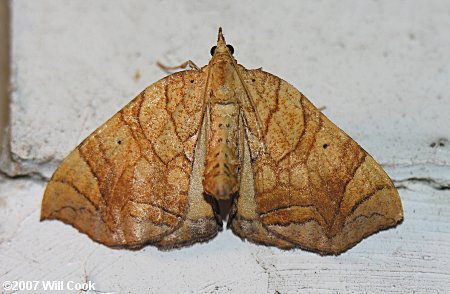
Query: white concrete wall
point(4, 65)
point(381, 69)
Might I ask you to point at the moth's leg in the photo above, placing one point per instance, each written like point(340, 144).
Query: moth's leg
point(189, 63)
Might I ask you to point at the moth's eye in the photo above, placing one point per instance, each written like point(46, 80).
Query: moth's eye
point(213, 49)
point(231, 49)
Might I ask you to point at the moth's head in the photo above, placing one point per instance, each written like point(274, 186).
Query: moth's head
point(222, 47)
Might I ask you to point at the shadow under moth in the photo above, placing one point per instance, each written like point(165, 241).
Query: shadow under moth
point(155, 171)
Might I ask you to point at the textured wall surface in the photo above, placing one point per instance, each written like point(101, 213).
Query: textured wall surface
point(380, 68)
point(4, 65)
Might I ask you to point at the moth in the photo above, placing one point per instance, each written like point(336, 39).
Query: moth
point(155, 172)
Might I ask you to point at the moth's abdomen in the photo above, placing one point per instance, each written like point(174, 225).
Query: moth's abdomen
point(220, 178)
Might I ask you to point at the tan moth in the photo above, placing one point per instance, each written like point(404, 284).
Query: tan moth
point(153, 173)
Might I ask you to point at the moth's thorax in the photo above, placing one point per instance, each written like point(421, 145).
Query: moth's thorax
point(224, 80)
